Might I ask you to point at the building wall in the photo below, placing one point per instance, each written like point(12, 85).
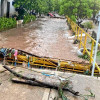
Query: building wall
point(12, 9)
point(5, 7)
point(0, 7)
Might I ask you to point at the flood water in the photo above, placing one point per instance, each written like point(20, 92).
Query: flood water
point(43, 37)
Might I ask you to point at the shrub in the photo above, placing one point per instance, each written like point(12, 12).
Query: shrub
point(88, 25)
point(7, 23)
point(98, 53)
point(85, 56)
point(29, 18)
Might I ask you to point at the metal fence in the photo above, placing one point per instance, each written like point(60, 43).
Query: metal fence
point(78, 34)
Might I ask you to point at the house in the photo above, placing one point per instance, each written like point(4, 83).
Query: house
point(6, 8)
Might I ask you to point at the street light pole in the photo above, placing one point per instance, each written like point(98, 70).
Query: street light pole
point(96, 47)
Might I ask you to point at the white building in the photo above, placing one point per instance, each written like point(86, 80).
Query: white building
point(6, 8)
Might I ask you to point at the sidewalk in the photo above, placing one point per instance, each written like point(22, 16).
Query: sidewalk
point(81, 83)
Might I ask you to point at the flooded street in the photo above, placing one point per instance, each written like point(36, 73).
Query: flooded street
point(43, 37)
point(48, 37)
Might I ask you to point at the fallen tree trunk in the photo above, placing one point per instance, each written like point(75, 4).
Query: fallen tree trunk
point(42, 85)
point(17, 74)
point(33, 81)
point(21, 76)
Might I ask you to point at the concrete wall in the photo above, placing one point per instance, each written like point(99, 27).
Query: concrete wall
point(12, 9)
point(5, 7)
point(0, 7)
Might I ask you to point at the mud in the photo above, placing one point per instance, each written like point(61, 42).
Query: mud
point(43, 37)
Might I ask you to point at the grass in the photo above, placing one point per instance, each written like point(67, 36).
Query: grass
point(98, 58)
point(98, 55)
point(85, 56)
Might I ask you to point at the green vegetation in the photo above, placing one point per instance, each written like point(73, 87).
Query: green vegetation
point(85, 56)
point(95, 6)
point(40, 6)
point(78, 10)
point(29, 18)
point(68, 84)
point(86, 97)
point(64, 84)
point(98, 53)
point(7, 23)
point(88, 25)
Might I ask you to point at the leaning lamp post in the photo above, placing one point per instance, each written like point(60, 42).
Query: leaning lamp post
point(96, 47)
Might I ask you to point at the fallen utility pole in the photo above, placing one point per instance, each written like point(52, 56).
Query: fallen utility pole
point(34, 82)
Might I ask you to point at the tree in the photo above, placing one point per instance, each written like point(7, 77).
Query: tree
point(41, 6)
point(77, 10)
point(44, 6)
point(95, 6)
point(26, 4)
point(56, 5)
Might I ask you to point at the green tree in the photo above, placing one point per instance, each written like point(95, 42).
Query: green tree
point(41, 6)
point(77, 10)
point(44, 6)
point(26, 4)
point(56, 5)
point(95, 6)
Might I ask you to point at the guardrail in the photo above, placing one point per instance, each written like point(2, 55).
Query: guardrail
point(78, 34)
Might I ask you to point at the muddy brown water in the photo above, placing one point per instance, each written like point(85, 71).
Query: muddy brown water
point(43, 37)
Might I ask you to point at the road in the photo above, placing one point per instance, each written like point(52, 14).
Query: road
point(44, 37)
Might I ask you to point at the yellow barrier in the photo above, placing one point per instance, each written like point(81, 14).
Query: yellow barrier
point(79, 31)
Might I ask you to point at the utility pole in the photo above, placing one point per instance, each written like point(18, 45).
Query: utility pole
point(96, 47)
